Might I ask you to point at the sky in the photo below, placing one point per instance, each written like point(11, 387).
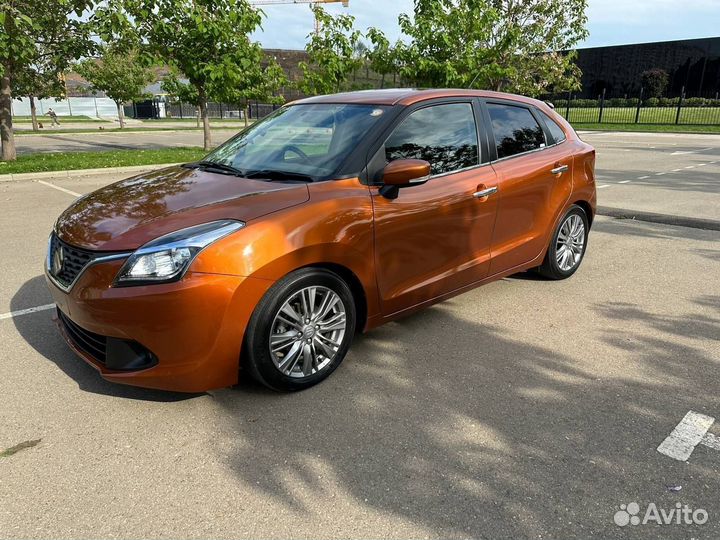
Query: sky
point(611, 22)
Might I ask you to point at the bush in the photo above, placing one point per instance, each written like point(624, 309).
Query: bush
point(615, 102)
point(652, 102)
point(668, 102)
point(696, 102)
point(584, 103)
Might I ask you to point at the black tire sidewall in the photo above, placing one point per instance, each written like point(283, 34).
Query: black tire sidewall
point(552, 259)
point(257, 353)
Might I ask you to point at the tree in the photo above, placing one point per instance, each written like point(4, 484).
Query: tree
point(654, 82)
point(38, 82)
point(182, 91)
point(382, 56)
point(205, 40)
point(331, 52)
point(41, 35)
point(498, 44)
point(263, 84)
point(120, 75)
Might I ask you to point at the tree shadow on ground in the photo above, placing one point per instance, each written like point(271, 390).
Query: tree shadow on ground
point(453, 426)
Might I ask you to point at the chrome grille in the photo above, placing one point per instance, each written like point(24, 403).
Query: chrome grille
point(74, 261)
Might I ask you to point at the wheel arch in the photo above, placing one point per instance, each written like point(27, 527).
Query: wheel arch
point(356, 288)
point(587, 208)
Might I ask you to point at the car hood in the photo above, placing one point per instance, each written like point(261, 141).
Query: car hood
point(125, 215)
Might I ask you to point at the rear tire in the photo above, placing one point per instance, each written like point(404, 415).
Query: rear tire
point(567, 245)
point(300, 331)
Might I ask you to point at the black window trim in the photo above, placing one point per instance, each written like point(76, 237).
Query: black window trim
point(548, 133)
point(407, 110)
point(491, 133)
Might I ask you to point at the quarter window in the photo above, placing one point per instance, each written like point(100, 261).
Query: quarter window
point(556, 131)
point(515, 129)
point(443, 135)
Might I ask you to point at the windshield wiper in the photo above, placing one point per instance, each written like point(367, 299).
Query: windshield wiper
point(216, 167)
point(273, 174)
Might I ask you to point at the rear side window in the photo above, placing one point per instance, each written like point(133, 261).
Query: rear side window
point(556, 131)
point(515, 129)
point(443, 135)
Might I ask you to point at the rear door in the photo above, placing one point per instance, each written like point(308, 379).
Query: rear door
point(434, 238)
point(534, 181)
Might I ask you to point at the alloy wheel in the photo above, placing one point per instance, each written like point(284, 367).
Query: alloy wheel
point(307, 331)
point(570, 243)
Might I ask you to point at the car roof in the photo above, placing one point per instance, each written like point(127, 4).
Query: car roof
point(409, 96)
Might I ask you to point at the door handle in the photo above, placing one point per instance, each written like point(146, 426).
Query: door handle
point(559, 170)
point(485, 192)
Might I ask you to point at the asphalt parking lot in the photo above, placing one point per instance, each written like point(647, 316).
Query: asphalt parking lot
point(523, 409)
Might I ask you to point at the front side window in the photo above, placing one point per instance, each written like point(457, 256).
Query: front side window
point(443, 135)
point(312, 140)
point(515, 129)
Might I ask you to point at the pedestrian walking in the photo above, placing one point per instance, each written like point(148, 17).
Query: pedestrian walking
point(53, 117)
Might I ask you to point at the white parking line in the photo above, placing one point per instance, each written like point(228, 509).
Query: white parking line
point(623, 182)
point(27, 311)
point(690, 167)
point(690, 151)
point(686, 436)
point(606, 185)
point(660, 174)
point(701, 164)
point(676, 170)
point(48, 184)
point(711, 441)
point(642, 177)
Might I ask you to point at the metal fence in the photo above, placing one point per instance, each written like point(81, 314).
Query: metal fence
point(640, 109)
point(220, 110)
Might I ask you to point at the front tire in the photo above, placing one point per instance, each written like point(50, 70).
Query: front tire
point(567, 246)
point(300, 331)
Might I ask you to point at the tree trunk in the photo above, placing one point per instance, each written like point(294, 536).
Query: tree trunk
point(207, 139)
point(121, 114)
point(246, 114)
point(197, 116)
point(33, 114)
point(382, 81)
point(7, 138)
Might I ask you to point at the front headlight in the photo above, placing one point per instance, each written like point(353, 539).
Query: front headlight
point(167, 258)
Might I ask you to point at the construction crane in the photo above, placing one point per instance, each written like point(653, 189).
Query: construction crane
point(278, 2)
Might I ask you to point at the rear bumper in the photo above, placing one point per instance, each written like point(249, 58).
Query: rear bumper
point(184, 336)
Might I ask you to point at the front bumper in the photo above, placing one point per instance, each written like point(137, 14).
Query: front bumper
point(191, 330)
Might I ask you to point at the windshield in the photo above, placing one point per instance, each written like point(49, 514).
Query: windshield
point(301, 140)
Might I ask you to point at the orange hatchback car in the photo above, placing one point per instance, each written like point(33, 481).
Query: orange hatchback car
point(334, 214)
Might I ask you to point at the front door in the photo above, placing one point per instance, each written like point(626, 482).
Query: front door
point(434, 238)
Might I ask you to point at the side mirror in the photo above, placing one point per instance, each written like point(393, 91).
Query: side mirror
point(403, 173)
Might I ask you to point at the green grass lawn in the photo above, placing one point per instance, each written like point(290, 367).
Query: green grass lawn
point(45, 119)
point(648, 115)
point(166, 127)
point(191, 119)
point(648, 128)
point(61, 161)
